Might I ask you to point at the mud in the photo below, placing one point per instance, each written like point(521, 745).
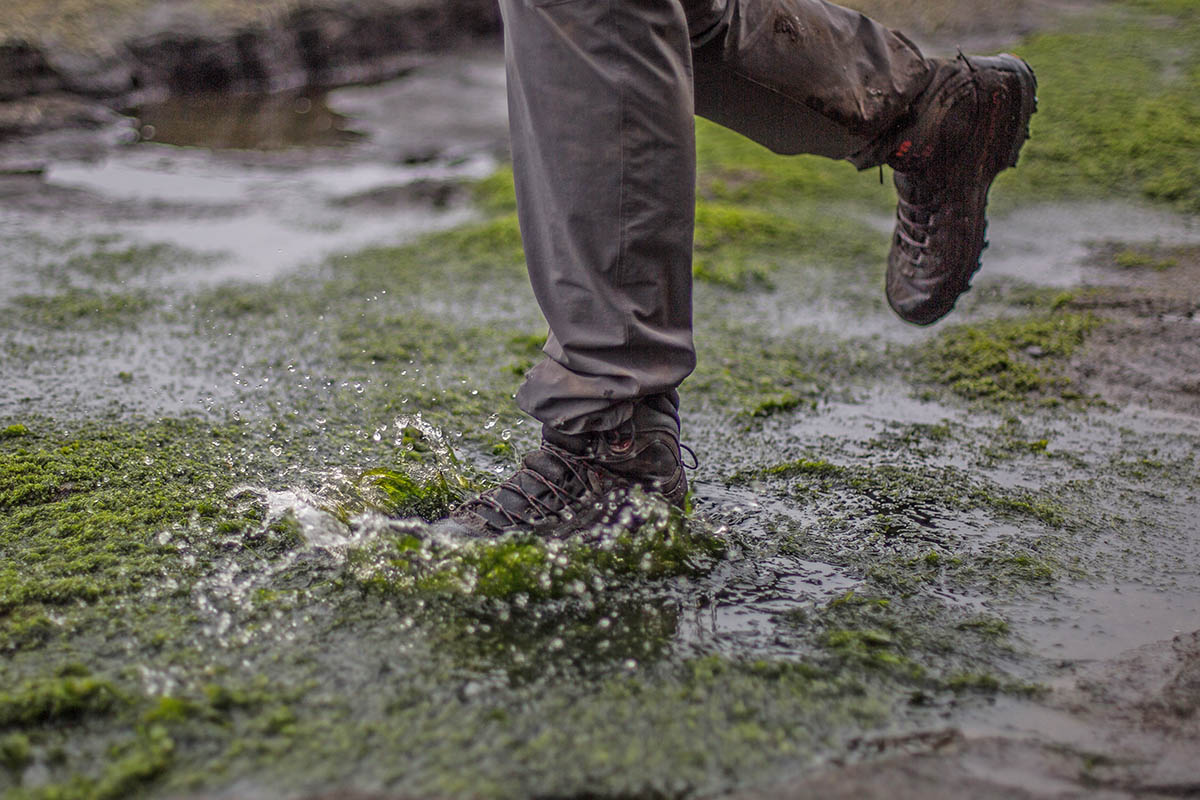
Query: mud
point(1117, 728)
point(1148, 356)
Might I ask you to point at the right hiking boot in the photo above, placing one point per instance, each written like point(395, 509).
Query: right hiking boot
point(573, 482)
point(965, 129)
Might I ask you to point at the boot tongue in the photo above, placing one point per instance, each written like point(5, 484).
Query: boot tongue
point(577, 443)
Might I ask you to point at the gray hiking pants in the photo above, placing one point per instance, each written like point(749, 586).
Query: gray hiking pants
point(602, 98)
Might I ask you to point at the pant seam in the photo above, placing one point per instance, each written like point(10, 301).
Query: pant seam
point(623, 126)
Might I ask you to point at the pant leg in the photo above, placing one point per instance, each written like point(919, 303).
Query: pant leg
point(603, 138)
point(803, 76)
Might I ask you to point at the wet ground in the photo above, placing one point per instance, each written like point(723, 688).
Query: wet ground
point(243, 360)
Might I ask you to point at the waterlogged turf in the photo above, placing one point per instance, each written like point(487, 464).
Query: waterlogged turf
point(217, 574)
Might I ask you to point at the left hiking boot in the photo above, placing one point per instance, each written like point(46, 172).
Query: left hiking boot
point(574, 482)
point(965, 129)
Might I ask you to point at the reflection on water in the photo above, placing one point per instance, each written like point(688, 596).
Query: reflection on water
point(252, 122)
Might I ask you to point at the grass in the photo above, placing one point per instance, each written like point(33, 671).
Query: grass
point(1119, 108)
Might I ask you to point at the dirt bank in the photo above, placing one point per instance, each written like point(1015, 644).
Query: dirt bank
point(1148, 354)
point(64, 69)
point(1140, 711)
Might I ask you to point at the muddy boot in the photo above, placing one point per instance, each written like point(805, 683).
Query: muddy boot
point(574, 481)
point(965, 129)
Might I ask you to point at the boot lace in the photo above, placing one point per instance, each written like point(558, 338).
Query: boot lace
point(557, 499)
point(911, 232)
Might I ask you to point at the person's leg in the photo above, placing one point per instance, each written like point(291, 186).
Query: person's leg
point(600, 109)
point(802, 76)
point(601, 102)
point(603, 141)
point(805, 76)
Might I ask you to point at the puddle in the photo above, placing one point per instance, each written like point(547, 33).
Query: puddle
point(276, 184)
point(1046, 244)
point(268, 122)
point(1099, 622)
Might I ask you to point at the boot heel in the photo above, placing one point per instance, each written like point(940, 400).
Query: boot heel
point(1028, 86)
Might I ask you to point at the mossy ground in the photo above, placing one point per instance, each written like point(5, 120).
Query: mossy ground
point(240, 591)
point(1120, 107)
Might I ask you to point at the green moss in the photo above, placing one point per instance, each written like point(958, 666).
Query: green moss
point(57, 700)
point(174, 709)
point(1008, 360)
point(734, 169)
point(488, 249)
point(782, 402)
point(76, 306)
point(430, 497)
point(741, 369)
point(80, 512)
point(872, 648)
point(13, 431)
point(15, 752)
point(1131, 258)
point(986, 625)
point(801, 467)
point(987, 683)
point(902, 489)
point(660, 544)
point(130, 767)
point(236, 302)
point(496, 193)
point(737, 247)
point(98, 260)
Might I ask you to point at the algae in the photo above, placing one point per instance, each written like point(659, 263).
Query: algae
point(1009, 360)
point(83, 306)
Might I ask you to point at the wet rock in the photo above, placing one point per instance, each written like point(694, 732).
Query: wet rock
point(438, 194)
point(94, 75)
point(30, 115)
point(1182, 692)
point(24, 70)
point(178, 62)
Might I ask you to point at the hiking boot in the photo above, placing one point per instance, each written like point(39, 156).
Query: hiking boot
point(966, 128)
point(574, 481)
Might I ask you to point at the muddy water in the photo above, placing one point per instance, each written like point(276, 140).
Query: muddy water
point(240, 181)
point(909, 522)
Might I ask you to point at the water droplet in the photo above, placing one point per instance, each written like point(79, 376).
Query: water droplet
point(491, 421)
point(506, 434)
